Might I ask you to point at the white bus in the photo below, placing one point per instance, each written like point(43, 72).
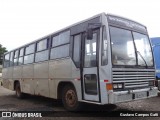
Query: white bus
point(105, 59)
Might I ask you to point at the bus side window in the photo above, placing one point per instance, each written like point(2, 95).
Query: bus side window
point(6, 60)
point(29, 54)
point(60, 45)
point(42, 52)
point(104, 47)
point(60, 39)
point(11, 59)
point(21, 54)
point(76, 49)
point(42, 45)
point(15, 57)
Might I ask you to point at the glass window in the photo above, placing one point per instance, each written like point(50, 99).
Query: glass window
point(60, 39)
point(76, 49)
point(42, 45)
point(90, 81)
point(16, 54)
point(104, 48)
point(144, 52)
point(21, 53)
point(6, 60)
point(7, 57)
point(20, 61)
point(29, 49)
point(59, 52)
point(15, 61)
point(28, 59)
point(11, 59)
point(41, 56)
point(90, 52)
point(123, 51)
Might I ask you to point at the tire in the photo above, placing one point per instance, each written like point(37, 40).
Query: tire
point(19, 94)
point(69, 99)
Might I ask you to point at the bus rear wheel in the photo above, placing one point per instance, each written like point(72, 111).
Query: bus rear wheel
point(19, 94)
point(69, 99)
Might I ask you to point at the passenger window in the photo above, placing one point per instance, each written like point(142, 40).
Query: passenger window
point(59, 52)
point(29, 54)
point(16, 54)
point(60, 44)
point(29, 49)
point(76, 49)
point(29, 59)
point(20, 59)
point(6, 60)
point(42, 52)
point(21, 52)
point(42, 45)
point(62, 38)
point(15, 57)
point(11, 59)
point(42, 56)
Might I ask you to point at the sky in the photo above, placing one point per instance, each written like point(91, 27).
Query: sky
point(23, 21)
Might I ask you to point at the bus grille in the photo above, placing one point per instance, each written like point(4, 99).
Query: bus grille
point(133, 78)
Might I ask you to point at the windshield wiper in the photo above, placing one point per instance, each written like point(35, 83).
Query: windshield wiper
point(143, 58)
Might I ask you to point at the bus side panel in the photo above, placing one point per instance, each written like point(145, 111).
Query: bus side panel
point(28, 82)
point(52, 86)
point(77, 81)
point(41, 78)
point(105, 74)
point(7, 75)
point(17, 73)
point(5, 78)
point(59, 70)
point(10, 72)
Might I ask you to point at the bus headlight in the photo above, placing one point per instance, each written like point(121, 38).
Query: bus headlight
point(118, 86)
point(115, 86)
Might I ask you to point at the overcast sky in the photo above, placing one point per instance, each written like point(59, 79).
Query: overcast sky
point(22, 21)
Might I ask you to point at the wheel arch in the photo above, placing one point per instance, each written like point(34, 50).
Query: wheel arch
point(60, 87)
point(15, 82)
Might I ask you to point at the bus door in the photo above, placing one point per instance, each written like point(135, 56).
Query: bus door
point(89, 73)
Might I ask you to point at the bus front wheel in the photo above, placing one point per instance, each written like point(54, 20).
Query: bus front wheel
point(69, 99)
point(19, 94)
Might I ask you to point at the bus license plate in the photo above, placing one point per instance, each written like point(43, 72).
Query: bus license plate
point(140, 95)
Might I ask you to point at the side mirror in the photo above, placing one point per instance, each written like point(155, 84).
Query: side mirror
point(89, 34)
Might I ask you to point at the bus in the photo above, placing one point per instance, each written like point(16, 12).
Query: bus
point(155, 41)
point(105, 59)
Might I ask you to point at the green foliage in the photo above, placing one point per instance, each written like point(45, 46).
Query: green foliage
point(2, 51)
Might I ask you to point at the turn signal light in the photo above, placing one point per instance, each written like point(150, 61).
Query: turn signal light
point(109, 86)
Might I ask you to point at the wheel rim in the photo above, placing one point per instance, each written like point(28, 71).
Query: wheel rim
point(70, 98)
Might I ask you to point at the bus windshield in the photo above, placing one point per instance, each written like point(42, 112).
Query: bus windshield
point(130, 48)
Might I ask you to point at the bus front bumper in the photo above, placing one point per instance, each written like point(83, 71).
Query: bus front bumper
point(122, 96)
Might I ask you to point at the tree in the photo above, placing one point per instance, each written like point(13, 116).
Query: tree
point(2, 51)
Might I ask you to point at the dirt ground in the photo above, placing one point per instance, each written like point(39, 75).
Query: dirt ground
point(9, 102)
